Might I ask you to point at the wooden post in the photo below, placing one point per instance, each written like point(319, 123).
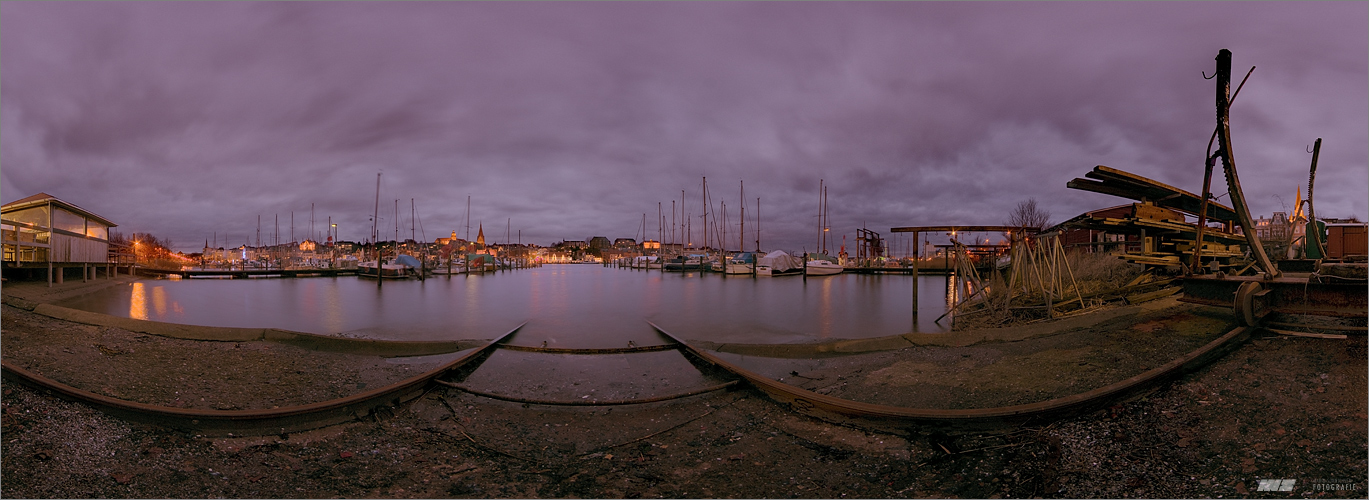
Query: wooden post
point(916, 250)
point(1202, 217)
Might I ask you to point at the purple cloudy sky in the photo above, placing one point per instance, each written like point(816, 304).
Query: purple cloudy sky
point(574, 119)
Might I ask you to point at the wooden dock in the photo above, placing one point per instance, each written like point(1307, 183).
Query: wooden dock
point(248, 273)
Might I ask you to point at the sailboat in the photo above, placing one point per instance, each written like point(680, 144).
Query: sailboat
point(401, 266)
point(821, 264)
point(779, 263)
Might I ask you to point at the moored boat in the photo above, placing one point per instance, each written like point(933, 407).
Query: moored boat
point(779, 263)
point(682, 263)
point(818, 264)
point(401, 267)
point(742, 263)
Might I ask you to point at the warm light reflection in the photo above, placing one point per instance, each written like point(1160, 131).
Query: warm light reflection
point(137, 305)
point(825, 309)
point(952, 290)
point(159, 301)
point(333, 318)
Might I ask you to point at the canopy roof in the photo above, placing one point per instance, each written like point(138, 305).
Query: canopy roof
point(44, 199)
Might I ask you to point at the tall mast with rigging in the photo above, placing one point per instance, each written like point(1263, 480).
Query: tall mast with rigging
point(741, 233)
point(375, 218)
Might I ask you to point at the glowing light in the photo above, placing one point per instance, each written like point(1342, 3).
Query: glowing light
point(137, 305)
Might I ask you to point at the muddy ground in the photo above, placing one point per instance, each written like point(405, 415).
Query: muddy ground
point(1277, 408)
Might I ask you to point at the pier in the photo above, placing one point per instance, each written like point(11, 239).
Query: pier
point(248, 273)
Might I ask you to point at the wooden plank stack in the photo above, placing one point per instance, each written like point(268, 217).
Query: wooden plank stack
point(1158, 220)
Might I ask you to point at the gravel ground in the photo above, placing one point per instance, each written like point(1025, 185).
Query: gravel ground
point(192, 374)
point(1278, 408)
point(993, 374)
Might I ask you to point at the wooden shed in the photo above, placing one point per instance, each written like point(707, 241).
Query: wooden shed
point(44, 232)
point(1347, 240)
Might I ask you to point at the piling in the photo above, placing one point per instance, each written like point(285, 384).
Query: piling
point(916, 257)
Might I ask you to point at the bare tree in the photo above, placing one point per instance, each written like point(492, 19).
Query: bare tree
point(1028, 214)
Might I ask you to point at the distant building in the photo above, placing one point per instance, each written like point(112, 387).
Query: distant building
point(651, 245)
point(1277, 228)
point(624, 243)
point(599, 242)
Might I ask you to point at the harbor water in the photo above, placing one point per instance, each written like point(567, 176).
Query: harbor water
point(569, 306)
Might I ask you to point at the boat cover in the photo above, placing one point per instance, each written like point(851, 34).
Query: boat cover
point(780, 261)
point(408, 260)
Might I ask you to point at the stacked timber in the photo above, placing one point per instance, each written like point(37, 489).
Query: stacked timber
point(1155, 230)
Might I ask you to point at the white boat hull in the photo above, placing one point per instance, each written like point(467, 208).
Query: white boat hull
point(737, 269)
point(821, 268)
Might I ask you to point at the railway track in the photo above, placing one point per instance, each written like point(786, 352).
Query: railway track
point(829, 407)
point(304, 417)
point(255, 422)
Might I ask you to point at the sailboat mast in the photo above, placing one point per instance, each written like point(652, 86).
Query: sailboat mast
point(827, 225)
point(722, 235)
point(411, 220)
point(819, 246)
point(375, 218)
point(704, 198)
point(758, 224)
point(741, 233)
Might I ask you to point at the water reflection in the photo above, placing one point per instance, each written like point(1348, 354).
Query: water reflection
point(159, 301)
point(137, 304)
point(332, 316)
point(576, 306)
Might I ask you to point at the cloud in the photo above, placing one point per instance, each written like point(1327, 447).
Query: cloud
point(573, 120)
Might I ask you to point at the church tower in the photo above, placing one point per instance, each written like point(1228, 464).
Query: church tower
point(480, 237)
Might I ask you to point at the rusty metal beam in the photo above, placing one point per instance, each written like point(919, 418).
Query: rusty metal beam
point(1233, 182)
point(810, 402)
point(1253, 298)
point(609, 350)
point(252, 422)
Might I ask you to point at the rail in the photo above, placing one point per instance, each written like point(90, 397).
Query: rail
point(253, 422)
point(806, 401)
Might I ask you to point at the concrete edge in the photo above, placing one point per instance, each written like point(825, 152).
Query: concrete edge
point(946, 339)
point(172, 330)
point(25, 304)
point(383, 348)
